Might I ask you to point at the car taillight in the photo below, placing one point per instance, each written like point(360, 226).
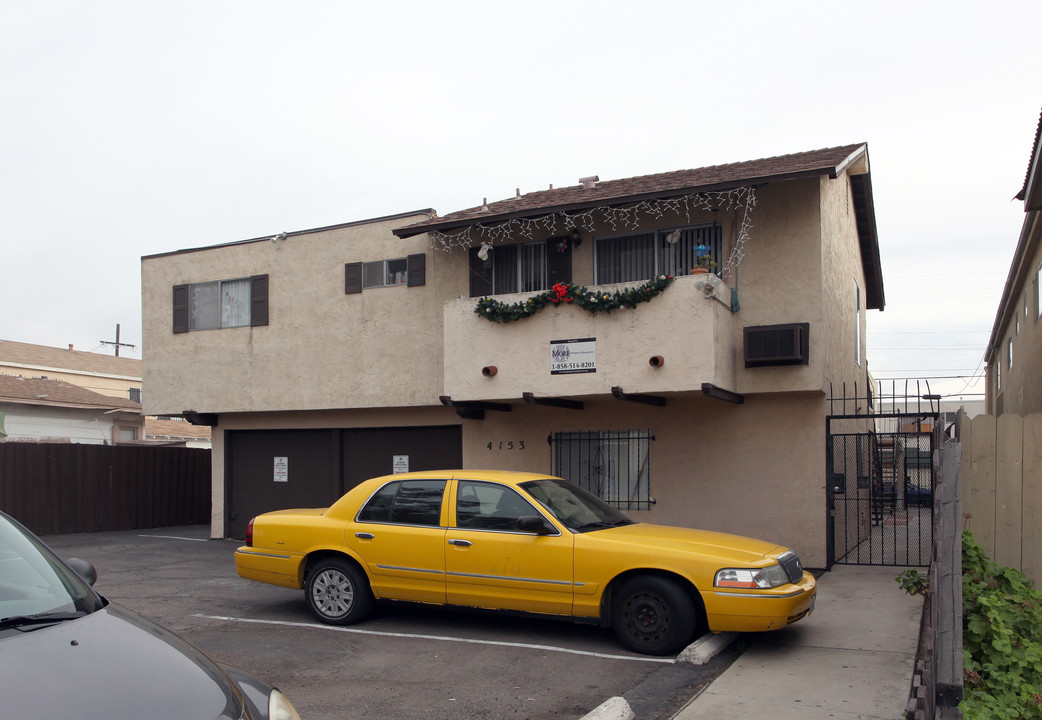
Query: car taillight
point(249, 534)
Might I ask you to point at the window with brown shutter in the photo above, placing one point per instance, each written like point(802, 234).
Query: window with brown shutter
point(353, 278)
point(417, 270)
point(180, 308)
point(241, 302)
point(258, 300)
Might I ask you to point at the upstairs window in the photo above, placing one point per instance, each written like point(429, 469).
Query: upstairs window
point(410, 271)
point(520, 268)
point(1038, 297)
point(385, 272)
point(218, 304)
point(857, 324)
point(673, 251)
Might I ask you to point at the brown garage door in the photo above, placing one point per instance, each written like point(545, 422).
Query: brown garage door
point(276, 469)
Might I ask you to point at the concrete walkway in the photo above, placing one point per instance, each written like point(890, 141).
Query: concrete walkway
point(852, 658)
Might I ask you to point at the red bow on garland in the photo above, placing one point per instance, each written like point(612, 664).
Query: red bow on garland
point(560, 292)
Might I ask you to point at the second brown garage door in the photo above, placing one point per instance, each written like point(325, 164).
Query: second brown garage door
point(277, 469)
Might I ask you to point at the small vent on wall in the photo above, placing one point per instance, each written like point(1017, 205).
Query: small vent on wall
point(773, 345)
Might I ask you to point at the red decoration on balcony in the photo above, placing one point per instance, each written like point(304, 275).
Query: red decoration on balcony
point(560, 291)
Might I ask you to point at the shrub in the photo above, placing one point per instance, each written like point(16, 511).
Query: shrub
point(1002, 639)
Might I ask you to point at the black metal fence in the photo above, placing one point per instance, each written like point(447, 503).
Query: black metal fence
point(881, 487)
point(68, 488)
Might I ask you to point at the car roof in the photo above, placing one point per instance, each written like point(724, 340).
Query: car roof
point(509, 477)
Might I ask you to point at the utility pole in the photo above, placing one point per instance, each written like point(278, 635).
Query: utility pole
point(118, 344)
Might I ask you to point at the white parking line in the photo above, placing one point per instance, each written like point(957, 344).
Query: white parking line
point(175, 537)
point(360, 631)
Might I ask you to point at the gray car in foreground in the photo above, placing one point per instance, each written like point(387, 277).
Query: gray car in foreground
point(66, 651)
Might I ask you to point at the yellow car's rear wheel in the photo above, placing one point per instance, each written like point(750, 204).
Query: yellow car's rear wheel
point(653, 615)
point(338, 593)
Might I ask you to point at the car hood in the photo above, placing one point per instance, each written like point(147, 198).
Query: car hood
point(658, 538)
point(111, 664)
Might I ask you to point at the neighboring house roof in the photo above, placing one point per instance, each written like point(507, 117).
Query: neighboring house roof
point(41, 357)
point(175, 430)
point(57, 393)
point(574, 198)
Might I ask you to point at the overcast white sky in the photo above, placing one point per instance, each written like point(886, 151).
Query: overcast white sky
point(130, 127)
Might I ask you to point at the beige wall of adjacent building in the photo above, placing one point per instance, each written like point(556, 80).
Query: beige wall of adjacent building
point(1018, 388)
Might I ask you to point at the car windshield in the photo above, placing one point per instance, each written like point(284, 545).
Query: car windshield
point(33, 582)
point(578, 509)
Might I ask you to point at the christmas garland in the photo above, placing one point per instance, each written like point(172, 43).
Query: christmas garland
point(563, 293)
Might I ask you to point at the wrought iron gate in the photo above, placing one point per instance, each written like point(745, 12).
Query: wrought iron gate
point(880, 481)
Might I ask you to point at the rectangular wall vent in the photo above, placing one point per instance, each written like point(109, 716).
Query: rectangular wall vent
point(773, 345)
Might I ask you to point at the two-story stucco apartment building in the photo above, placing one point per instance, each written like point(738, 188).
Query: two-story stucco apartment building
point(480, 339)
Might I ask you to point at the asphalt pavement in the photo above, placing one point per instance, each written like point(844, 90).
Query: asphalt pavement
point(852, 658)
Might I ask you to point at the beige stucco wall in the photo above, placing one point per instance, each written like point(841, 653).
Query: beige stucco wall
point(1021, 387)
point(322, 348)
point(690, 326)
point(842, 271)
point(382, 358)
point(383, 347)
point(734, 468)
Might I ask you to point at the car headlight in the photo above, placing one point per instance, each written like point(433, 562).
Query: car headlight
point(752, 578)
point(279, 707)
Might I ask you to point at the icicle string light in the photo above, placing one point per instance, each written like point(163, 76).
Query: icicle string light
point(742, 200)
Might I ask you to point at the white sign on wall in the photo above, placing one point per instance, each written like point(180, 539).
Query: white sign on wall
point(282, 469)
point(573, 356)
point(400, 463)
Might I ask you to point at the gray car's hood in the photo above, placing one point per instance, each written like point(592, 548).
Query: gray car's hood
point(110, 664)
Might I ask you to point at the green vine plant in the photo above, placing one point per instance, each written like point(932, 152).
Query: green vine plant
point(1002, 639)
point(914, 582)
point(593, 301)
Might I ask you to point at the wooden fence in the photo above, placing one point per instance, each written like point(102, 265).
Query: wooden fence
point(70, 488)
point(937, 683)
point(1002, 488)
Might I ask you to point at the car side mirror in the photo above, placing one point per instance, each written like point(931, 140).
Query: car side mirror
point(84, 569)
point(534, 524)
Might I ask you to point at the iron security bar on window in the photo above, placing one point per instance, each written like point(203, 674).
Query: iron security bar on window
point(613, 465)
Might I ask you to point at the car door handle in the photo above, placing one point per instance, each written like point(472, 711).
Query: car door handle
point(461, 543)
point(364, 536)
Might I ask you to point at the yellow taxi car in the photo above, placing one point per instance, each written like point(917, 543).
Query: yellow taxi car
point(523, 542)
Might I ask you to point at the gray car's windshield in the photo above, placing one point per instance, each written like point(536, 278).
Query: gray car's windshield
point(33, 584)
point(578, 509)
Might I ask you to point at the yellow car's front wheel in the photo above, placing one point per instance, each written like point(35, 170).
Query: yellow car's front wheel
point(338, 593)
point(653, 615)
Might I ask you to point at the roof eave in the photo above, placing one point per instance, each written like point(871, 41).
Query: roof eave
point(493, 217)
point(868, 240)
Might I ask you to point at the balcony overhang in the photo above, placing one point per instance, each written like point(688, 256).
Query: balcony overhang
point(672, 344)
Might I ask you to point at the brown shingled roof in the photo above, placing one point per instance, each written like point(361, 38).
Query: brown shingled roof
point(179, 429)
point(56, 393)
point(828, 161)
point(64, 359)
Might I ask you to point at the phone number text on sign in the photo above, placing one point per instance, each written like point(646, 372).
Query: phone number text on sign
point(573, 356)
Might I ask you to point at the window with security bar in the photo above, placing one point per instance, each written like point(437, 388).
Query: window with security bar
point(614, 465)
point(671, 251)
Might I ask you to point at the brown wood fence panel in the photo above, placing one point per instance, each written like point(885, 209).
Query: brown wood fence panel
point(1002, 488)
point(68, 488)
